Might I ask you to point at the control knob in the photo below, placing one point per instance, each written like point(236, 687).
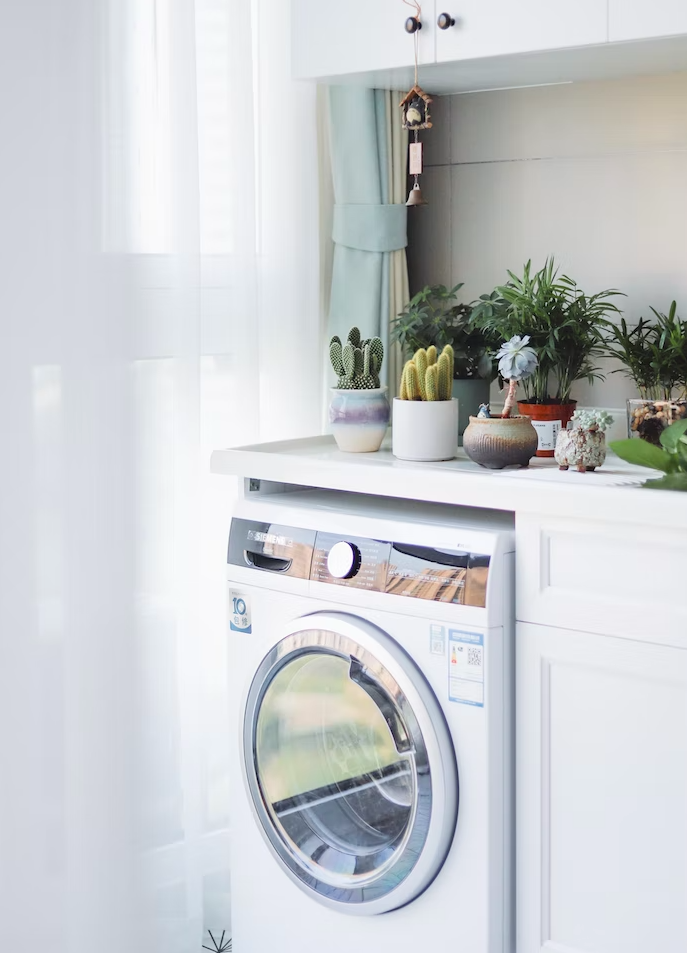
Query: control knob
point(343, 560)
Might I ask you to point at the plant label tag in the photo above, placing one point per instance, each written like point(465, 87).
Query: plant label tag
point(466, 668)
point(239, 613)
point(415, 158)
point(547, 431)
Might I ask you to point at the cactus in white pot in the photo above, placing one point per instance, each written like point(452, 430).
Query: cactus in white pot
point(425, 414)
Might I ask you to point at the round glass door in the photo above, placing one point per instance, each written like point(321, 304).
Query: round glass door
point(339, 767)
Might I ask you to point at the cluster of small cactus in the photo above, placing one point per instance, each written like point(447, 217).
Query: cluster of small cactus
point(428, 376)
point(357, 363)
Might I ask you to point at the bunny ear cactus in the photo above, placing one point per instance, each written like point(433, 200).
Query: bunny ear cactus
point(516, 362)
point(425, 380)
point(357, 363)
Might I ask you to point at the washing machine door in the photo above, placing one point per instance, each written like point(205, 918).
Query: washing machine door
point(350, 765)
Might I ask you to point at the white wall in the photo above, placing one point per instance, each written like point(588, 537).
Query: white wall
point(594, 173)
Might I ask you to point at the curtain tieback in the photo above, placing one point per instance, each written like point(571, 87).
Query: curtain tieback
point(377, 228)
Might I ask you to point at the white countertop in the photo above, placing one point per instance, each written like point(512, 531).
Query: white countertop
point(611, 493)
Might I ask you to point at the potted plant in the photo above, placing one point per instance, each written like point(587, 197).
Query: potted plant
point(498, 442)
point(359, 409)
point(654, 355)
point(583, 446)
point(434, 317)
point(566, 329)
point(425, 423)
point(670, 457)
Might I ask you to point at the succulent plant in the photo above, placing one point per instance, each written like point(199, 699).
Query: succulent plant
point(592, 420)
point(428, 377)
point(517, 361)
point(358, 362)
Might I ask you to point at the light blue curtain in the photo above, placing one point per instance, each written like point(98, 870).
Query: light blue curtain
point(367, 228)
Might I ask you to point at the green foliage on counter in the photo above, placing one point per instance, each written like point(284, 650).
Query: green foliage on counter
point(564, 324)
point(670, 457)
point(654, 353)
point(433, 317)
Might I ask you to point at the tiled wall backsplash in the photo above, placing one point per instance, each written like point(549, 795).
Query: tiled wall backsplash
point(594, 173)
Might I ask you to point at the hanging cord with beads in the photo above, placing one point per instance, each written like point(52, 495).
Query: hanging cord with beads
point(416, 40)
point(416, 34)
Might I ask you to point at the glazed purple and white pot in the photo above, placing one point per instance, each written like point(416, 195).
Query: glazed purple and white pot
point(359, 419)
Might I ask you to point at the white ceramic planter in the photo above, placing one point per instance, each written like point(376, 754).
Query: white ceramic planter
point(425, 430)
point(359, 419)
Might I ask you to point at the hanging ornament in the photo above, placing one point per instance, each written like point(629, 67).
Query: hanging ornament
point(416, 115)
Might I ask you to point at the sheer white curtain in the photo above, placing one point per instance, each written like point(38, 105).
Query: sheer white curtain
point(159, 297)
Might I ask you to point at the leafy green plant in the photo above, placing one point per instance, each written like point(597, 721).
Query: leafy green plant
point(564, 324)
point(654, 353)
point(428, 376)
point(670, 457)
point(356, 363)
point(433, 317)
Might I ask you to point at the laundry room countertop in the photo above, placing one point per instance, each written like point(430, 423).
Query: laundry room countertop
point(612, 493)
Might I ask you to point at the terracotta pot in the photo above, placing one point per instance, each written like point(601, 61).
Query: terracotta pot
point(548, 420)
point(582, 449)
point(498, 442)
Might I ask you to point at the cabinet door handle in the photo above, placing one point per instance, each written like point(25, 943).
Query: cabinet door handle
point(445, 20)
point(413, 24)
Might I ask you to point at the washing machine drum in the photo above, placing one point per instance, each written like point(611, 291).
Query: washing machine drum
point(350, 765)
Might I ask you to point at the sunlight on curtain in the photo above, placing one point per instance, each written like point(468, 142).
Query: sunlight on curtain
point(159, 298)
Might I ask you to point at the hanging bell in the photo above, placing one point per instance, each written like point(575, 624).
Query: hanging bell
point(415, 196)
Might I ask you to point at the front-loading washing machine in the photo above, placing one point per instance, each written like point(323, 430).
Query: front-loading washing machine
point(371, 734)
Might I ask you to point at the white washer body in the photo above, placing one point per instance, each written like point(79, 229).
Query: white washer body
point(454, 891)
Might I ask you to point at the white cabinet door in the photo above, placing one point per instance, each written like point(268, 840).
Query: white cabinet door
point(496, 27)
point(601, 740)
point(331, 38)
point(636, 19)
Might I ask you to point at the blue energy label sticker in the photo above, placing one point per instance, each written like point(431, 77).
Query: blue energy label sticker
point(466, 668)
point(239, 613)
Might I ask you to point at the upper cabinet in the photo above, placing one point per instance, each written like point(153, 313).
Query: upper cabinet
point(484, 28)
point(482, 44)
point(637, 19)
point(330, 38)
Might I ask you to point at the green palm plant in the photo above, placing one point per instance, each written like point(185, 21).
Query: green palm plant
point(564, 324)
point(653, 353)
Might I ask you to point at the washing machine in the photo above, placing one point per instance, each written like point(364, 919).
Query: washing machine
point(371, 728)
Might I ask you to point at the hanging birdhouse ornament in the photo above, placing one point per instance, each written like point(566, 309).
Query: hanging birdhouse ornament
point(415, 108)
point(416, 115)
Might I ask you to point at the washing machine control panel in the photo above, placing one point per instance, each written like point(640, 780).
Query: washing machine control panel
point(416, 572)
point(354, 561)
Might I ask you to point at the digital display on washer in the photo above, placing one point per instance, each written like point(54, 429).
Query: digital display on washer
point(271, 547)
point(438, 575)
